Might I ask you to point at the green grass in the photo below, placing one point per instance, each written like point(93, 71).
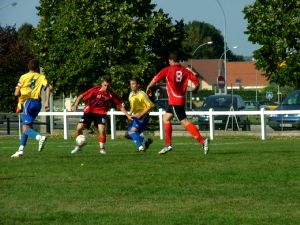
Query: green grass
point(243, 180)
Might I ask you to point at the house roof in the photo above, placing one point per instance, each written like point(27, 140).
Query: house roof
point(206, 68)
point(238, 73)
point(244, 74)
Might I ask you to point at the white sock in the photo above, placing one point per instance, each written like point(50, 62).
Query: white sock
point(101, 145)
point(21, 148)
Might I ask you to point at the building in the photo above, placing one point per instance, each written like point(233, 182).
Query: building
point(239, 74)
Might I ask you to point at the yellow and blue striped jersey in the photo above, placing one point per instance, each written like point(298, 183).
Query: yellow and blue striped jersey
point(139, 102)
point(30, 85)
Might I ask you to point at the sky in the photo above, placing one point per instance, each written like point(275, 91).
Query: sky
point(189, 10)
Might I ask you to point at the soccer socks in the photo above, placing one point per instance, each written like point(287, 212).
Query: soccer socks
point(168, 133)
point(136, 138)
point(31, 133)
point(24, 138)
point(102, 140)
point(195, 132)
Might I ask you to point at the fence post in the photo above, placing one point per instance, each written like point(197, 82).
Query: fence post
point(112, 124)
point(211, 124)
point(161, 124)
point(263, 124)
point(65, 125)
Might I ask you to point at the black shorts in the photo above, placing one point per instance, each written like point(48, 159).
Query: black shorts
point(178, 111)
point(88, 118)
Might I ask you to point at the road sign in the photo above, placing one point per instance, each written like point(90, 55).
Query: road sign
point(269, 95)
point(221, 81)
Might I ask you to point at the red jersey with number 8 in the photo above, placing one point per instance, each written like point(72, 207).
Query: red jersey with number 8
point(177, 78)
point(98, 101)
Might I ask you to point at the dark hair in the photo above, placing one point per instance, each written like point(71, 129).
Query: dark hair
point(34, 65)
point(136, 79)
point(174, 56)
point(106, 78)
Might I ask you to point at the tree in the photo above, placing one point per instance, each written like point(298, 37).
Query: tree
point(201, 32)
point(14, 56)
point(80, 41)
point(274, 25)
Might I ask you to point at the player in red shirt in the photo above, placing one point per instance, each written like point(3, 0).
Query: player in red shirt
point(98, 101)
point(177, 77)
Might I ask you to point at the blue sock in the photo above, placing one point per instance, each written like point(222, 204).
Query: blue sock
point(24, 138)
point(136, 138)
point(31, 132)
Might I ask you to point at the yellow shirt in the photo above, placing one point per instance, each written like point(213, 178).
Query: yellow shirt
point(30, 85)
point(139, 102)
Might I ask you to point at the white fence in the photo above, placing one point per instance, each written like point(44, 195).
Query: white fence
point(112, 113)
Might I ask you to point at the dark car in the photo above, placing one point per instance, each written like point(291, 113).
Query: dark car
point(287, 121)
point(224, 103)
point(251, 105)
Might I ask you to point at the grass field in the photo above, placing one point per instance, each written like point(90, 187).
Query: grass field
point(243, 180)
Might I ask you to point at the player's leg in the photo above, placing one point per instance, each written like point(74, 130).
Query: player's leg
point(142, 129)
point(193, 130)
point(85, 121)
point(133, 131)
point(168, 131)
point(100, 122)
point(31, 109)
point(102, 138)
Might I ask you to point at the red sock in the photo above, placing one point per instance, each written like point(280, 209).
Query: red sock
point(102, 139)
point(195, 132)
point(168, 132)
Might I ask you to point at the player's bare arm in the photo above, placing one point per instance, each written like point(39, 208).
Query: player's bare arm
point(47, 98)
point(148, 90)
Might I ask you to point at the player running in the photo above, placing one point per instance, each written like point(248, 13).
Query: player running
point(177, 77)
point(29, 90)
point(140, 105)
point(97, 100)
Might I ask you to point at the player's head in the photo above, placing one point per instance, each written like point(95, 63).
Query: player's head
point(105, 83)
point(134, 83)
point(173, 57)
point(34, 65)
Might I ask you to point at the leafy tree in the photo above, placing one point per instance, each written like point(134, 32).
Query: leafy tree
point(201, 32)
point(80, 41)
point(274, 25)
point(14, 56)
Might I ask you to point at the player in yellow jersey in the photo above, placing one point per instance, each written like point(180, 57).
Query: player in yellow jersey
point(29, 90)
point(140, 105)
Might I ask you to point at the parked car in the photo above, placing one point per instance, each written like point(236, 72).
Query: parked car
point(224, 103)
point(267, 104)
point(251, 105)
point(287, 121)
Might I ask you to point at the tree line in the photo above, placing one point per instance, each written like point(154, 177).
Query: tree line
point(77, 42)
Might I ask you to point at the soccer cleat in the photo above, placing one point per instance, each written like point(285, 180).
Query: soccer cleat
point(141, 148)
point(75, 150)
point(205, 146)
point(42, 142)
point(148, 143)
point(17, 154)
point(165, 150)
point(102, 151)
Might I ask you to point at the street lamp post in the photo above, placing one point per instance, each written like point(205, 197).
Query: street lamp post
point(225, 72)
point(206, 43)
point(225, 48)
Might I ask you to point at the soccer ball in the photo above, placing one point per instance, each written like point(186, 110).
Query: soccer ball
point(81, 140)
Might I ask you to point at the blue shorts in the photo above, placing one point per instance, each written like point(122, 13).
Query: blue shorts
point(140, 124)
point(31, 109)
